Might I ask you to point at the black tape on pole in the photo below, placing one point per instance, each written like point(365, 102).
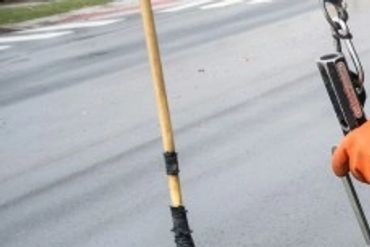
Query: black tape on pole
point(181, 228)
point(172, 164)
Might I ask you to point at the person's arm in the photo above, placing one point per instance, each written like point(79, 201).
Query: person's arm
point(353, 154)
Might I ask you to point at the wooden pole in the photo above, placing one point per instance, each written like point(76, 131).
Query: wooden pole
point(181, 228)
point(161, 96)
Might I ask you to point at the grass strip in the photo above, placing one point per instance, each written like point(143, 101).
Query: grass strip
point(9, 15)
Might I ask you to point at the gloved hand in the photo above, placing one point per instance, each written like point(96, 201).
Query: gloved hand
point(353, 154)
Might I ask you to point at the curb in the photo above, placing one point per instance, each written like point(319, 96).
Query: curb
point(114, 9)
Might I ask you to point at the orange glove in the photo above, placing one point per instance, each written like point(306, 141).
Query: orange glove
point(353, 154)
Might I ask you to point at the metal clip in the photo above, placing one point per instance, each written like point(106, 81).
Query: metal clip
point(340, 7)
point(345, 32)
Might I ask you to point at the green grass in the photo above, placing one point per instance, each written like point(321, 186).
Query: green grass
point(10, 15)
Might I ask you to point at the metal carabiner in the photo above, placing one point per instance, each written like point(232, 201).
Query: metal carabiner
point(345, 32)
point(340, 7)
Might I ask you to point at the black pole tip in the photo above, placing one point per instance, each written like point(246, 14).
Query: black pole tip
point(181, 228)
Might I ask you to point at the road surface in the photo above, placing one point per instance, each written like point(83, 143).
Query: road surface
point(80, 152)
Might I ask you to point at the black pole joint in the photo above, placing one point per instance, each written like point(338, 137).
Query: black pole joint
point(181, 228)
point(172, 164)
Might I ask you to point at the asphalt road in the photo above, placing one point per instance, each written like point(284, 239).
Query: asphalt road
point(80, 152)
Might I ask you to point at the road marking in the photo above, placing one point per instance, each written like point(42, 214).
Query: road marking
point(259, 1)
point(4, 47)
point(186, 6)
point(21, 38)
point(221, 4)
point(75, 25)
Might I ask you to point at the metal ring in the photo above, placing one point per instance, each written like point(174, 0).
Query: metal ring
point(341, 9)
point(342, 28)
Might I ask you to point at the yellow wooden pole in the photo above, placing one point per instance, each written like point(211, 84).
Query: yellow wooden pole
point(161, 96)
point(157, 74)
point(181, 228)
